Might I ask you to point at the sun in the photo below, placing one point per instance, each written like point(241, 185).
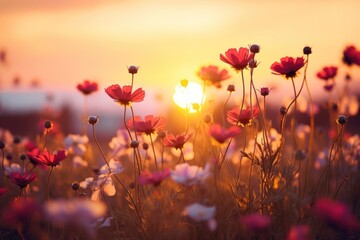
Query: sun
point(188, 93)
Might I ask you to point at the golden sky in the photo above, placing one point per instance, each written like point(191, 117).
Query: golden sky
point(63, 42)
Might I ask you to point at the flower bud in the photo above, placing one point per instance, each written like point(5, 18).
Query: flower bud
point(134, 144)
point(145, 146)
point(300, 155)
point(253, 63)
point(16, 140)
point(264, 91)
point(2, 145)
point(283, 110)
point(22, 157)
point(75, 186)
point(341, 120)
point(133, 69)
point(48, 124)
point(161, 134)
point(307, 50)
point(231, 88)
point(93, 120)
point(254, 48)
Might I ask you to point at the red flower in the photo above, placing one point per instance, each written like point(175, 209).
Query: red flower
point(255, 222)
point(154, 178)
point(351, 56)
point(288, 66)
point(3, 191)
point(46, 158)
point(221, 134)
point(213, 75)
point(22, 212)
point(177, 141)
point(336, 214)
point(238, 59)
point(327, 73)
point(22, 179)
point(245, 118)
point(124, 95)
point(149, 125)
point(87, 87)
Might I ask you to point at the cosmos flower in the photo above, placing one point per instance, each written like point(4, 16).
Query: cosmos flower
point(351, 56)
point(190, 175)
point(299, 232)
point(187, 151)
point(149, 125)
point(221, 134)
point(81, 213)
point(124, 95)
point(200, 213)
point(238, 59)
point(255, 222)
point(327, 73)
point(46, 158)
point(288, 66)
point(213, 75)
point(76, 143)
point(336, 214)
point(22, 179)
point(154, 178)
point(87, 87)
point(120, 143)
point(176, 141)
point(245, 118)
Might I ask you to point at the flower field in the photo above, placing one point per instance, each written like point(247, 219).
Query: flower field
point(229, 168)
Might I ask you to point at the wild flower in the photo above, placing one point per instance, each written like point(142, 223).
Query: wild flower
point(327, 73)
point(235, 116)
point(187, 151)
point(288, 66)
point(299, 232)
point(154, 178)
point(336, 214)
point(124, 95)
point(149, 125)
point(255, 222)
point(237, 59)
point(46, 158)
point(80, 213)
point(220, 134)
point(120, 144)
point(190, 175)
point(200, 213)
point(176, 141)
point(351, 56)
point(213, 75)
point(22, 180)
point(76, 144)
point(87, 87)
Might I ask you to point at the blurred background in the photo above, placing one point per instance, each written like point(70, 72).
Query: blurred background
point(51, 46)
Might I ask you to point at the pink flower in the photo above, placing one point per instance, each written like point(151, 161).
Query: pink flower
point(221, 134)
point(327, 73)
point(288, 66)
point(245, 117)
point(150, 124)
point(46, 158)
point(87, 87)
point(299, 232)
point(177, 141)
point(351, 56)
point(255, 222)
point(199, 213)
point(238, 59)
point(22, 179)
point(154, 178)
point(190, 175)
point(124, 95)
point(336, 214)
point(213, 75)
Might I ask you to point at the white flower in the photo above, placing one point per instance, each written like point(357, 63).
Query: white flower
point(120, 144)
point(114, 167)
point(190, 175)
point(80, 213)
point(76, 143)
point(199, 213)
point(79, 162)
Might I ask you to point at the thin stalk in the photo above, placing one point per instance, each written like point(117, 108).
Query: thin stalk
point(153, 148)
point(48, 184)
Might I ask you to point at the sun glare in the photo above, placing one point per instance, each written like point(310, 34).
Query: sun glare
point(186, 96)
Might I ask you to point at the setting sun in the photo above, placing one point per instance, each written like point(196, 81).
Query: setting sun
point(186, 96)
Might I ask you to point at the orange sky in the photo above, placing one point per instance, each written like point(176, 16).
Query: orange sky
point(62, 42)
